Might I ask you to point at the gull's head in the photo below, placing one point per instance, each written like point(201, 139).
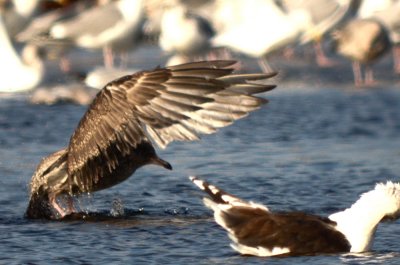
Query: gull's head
point(390, 195)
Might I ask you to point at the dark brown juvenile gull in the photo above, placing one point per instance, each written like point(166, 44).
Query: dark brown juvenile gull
point(255, 230)
point(114, 137)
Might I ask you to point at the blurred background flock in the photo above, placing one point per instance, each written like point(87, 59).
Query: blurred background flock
point(65, 50)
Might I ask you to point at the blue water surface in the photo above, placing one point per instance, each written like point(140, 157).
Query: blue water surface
point(313, 150)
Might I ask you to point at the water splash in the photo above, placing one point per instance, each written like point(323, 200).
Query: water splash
point(117, 209)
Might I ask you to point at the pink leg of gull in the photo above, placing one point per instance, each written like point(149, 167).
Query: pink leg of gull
point(357, 74)
point(211, 55)
point(226, 54)
point(288, 53)
point(321, 58)
point(65, 64)
point(369, 75)
point(108, 57)
point(396, 58)
point(264, 65)
point(56, 206)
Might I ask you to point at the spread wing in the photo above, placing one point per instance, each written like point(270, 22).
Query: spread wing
point(165, 104)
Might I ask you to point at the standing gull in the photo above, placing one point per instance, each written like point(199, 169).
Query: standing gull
point(386, 12)
point(255, 230)
point(184, 33)
point(363, 41)
point(114, 137)
point(116, 26)
point(39, 27)
point(256, 28)
point(324, 15)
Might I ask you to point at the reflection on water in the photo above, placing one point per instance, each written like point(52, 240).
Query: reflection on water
point(370, 258)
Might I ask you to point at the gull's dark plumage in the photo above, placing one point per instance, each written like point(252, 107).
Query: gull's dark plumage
point(256, 230)
point(114, 137)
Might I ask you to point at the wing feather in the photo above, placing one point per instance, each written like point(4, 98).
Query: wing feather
point(202, 72)
point(163, 105)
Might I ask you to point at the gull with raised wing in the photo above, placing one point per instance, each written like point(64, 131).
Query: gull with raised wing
point(114, 138)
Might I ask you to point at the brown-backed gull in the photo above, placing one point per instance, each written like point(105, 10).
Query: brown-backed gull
point(114, 137)
point(256, 230)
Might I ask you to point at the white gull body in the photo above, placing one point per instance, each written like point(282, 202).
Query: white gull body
point(183, 32)
point(359, 222)
point(100, 76)
point(18, 74)
point(257, 27)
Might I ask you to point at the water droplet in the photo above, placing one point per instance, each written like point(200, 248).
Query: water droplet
point(117, 208)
